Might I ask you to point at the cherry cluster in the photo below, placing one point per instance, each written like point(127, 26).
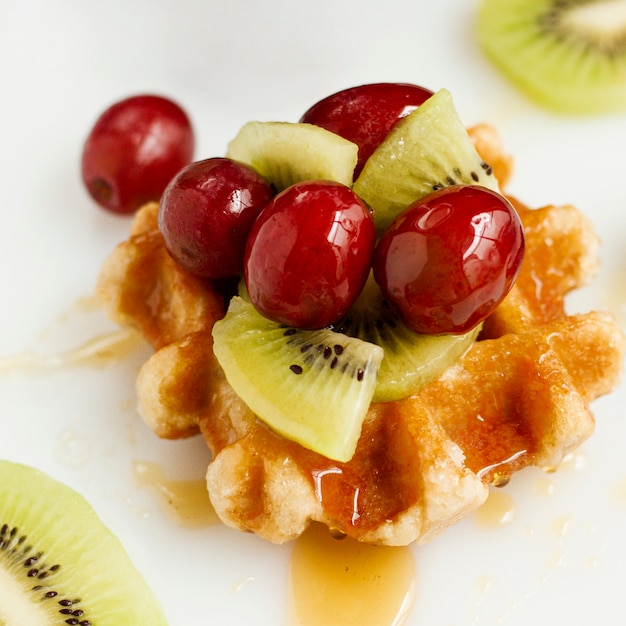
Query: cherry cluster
point(445, 262)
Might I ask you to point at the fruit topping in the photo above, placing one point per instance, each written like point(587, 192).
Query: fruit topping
point(303, 343)
point(411, 359)
point(59, 564)
point(568, 56)
point(285, 153)
point(206, 213)
point(310, 250)
point(425, 151)
point(309, 254)
point(448, 260)
point(365, 114)
point(133, 150)
point(311, 386)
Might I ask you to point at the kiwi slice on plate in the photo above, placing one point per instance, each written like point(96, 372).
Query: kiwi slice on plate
point(285, 153)
point(427, 150)
point(411, 359)
point(59, 564)
point(569, 56)
point(311, 386)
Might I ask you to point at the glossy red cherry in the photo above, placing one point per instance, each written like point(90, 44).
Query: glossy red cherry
point(365, 114)
point(309, 254)
point(206, 213)
point(134, 149)
point(448, 260)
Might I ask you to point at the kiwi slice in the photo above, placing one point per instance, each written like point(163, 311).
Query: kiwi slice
point(59, 564)
point(568, 56)
point(411, 360)
point(285, 153)
point(311, 386)
point(427, 150)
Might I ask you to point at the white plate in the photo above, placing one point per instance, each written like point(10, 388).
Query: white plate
point(560, 559)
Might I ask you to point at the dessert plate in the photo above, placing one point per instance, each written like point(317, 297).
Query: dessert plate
point(547, 548)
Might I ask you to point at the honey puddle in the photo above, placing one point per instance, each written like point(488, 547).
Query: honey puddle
point(187, 501)
point(497, 510)
point(96, 352)
point(343, 582)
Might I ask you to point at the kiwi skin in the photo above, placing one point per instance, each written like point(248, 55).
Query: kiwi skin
point(54, 546)
point(549, 50)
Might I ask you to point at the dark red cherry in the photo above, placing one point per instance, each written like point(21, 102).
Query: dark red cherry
point(365, 114)
point(134, 149)
point(449, 259)
point(206, 213)
point(309, 254)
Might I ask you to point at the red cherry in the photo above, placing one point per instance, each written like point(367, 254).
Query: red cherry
point(366, 114)
point(133, 150)
point(450, 258)
point(309, 254)
point(206, 213)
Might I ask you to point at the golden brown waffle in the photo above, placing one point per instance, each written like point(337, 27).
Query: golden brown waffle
point(519, 397)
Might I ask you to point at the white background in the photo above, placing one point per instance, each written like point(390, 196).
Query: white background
point(562, 558)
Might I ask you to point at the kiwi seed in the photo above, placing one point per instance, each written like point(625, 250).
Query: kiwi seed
point(18, 555)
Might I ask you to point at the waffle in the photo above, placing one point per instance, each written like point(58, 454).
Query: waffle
point(519, 397)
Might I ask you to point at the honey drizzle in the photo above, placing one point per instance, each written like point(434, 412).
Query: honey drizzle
point(499, 475)
point(187, 501)
point(97, 352)
point(343, 582)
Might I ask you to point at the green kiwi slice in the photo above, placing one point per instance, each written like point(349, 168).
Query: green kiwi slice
point(59, 564)
point(427, 150)
point(285, 153)
point(568, 56)
point(311, 386)
point(411, 360)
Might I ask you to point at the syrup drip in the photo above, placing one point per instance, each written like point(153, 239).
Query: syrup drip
point(343, 582)
point(187, 501)
point(97, 352)
point(498, 510)
point(500, 475)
